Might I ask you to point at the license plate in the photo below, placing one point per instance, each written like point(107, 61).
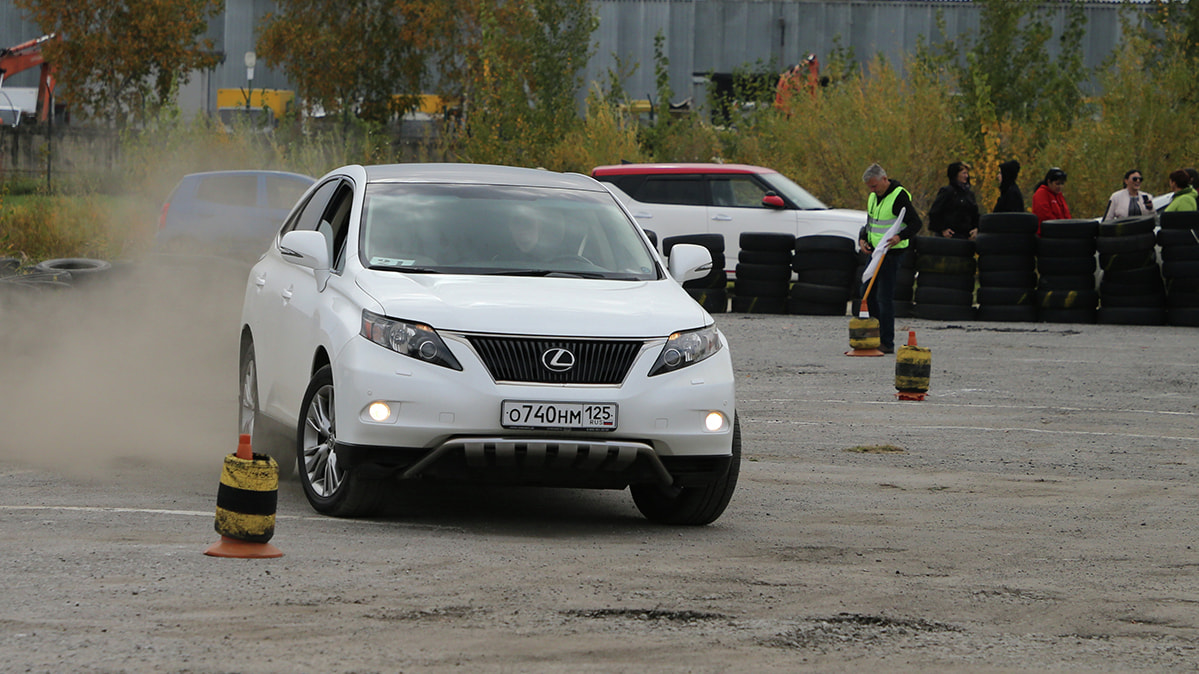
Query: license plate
point(558, 416)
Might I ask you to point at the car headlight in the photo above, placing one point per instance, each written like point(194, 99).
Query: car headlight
point(686, 348)
point(416, 340)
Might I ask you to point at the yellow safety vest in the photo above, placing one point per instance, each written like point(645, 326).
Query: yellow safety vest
point(880, 216)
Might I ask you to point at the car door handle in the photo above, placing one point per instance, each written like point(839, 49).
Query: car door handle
point(721, 217)
point(287, 293)
point(260, 280)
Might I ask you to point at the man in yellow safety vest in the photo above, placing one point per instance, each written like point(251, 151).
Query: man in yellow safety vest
point(887, 198)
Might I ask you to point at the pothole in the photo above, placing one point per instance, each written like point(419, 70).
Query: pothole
point(645, 614)
point(845, 628)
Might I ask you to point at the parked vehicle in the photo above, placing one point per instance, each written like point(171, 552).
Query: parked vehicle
point(487, 324)
point(726, 199)
point(233, 213)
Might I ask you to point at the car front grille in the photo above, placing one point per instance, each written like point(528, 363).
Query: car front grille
point(544, 360)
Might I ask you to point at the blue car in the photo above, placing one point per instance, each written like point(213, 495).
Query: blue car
point(228, 213)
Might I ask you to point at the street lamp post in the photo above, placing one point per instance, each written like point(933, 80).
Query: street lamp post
point(251, 59)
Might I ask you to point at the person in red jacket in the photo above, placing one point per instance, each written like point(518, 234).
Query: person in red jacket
point(1047, 201)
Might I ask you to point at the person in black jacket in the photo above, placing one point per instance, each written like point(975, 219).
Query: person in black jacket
point(1011, 199)
point(954, 213)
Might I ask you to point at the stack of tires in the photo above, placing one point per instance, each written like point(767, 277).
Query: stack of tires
point(711, 290)
point(825, 266)
point(763, 272)
point(1066, 271)
point(905, 285)
point(1131, 291)
point(1179, 241)
point(945, 271)
point(1007, 280)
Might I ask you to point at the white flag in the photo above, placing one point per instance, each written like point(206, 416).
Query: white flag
point(882, 247)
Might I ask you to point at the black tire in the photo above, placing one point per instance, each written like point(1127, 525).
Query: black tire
point(1183, 284)
point(766, 241)
point(830, 277)
point(945, 264)
point(756, 288)
point(1180, 253)
point(751, 304)
point(713, 242)
point(331, 489)
point(823, 260)
point(692, 506)
point(999, 296)
point(1066, 247)
point(763, 272)
point(825, 243)
point(80, 269)
point(1182, 300)
point(1007, 223)
point(1131, 243)
point(713, 300)
point(1066, 283)
point(1007, 313)
point(1007, 279)
point(1068, 299)
point(1128, 261)
point(1177, 237)
point(1021, 263)
point(939, 245)
point(1183, 316)
point(803, 307)
point(904, 308)
point(1180, 268)
point(818, 294)
point(251, 421)
point(715, 279)
point(1132, 315)
point(1005, 244)
point(931, 295)
point(1133, 277)
point(944, 312)
point(1149, 299)
point(956, 281)
point(1069, 229)
point(1066, 266)
point(1130, 226)
point(1066, 315)
point(1180, 220)
point(776, 257)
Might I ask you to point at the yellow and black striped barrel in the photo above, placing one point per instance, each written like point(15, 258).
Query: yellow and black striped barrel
point(247, 498)
point(863, 333)
point(913, 364)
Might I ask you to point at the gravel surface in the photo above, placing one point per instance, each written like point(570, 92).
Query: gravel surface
point(1037, 512)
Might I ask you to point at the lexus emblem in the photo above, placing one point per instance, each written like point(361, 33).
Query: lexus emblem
point(558, 360)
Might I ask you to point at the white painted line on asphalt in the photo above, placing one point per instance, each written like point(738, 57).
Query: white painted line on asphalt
point(892, 425)
point(937, 403)
point(212, 513)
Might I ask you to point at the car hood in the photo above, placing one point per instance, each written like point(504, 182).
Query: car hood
point(535, 306)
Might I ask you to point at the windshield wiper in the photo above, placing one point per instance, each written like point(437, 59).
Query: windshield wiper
point(547, 273)
point(405, 268)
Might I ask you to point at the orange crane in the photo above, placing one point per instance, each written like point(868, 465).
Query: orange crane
point(25, 56)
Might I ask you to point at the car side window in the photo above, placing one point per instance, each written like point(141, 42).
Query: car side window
point(310, 215)
point(680, 190)
point(737, 191)
point(336, 224)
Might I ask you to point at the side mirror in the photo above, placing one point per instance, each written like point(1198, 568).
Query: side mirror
point(307, 248)
point(773, 200)
point(688, 262)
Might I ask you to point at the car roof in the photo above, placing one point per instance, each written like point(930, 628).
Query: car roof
point(685, 167)
point(481, 174)
point(251, 172)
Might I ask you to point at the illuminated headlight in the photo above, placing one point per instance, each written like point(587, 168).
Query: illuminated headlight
point(686, 348)
point(411, 339)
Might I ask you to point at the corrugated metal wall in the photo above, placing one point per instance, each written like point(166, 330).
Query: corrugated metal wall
point(701, 36)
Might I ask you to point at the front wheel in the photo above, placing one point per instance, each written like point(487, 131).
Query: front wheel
point(691, 505)
point(331, 488)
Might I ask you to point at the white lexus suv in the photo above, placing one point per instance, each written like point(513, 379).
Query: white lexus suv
point(485, 324)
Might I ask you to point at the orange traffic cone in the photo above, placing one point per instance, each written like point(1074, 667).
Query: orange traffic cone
point(245, 505)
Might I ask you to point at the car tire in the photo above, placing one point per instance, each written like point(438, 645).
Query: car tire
point(1069, 229)
point(1007, 223)
point(1005, 244)
point(331, 489)
point(693, 506)
point(249, 414)
point(79, 268)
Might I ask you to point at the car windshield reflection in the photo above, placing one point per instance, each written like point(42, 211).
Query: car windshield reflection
point(498, 230)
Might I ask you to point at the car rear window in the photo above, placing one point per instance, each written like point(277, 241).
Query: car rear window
point(232, 190)
point(682, 190)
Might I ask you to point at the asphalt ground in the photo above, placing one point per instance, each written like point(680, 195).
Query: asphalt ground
point(1036, 512)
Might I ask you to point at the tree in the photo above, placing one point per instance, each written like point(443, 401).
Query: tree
point(123, 62)
point(370, 58)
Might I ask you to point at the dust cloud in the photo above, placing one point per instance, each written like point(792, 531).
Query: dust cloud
point(134, 364)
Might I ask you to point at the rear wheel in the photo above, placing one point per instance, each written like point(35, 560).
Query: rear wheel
point(331, 488)
point(691, 505)
point(249, 417)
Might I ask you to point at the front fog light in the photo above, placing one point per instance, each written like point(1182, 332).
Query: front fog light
point(379, 411)
point(714, 421)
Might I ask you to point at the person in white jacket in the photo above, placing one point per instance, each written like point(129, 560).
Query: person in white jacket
point(1129, 201)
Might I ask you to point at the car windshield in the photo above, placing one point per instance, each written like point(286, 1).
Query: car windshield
point(797, 195)
point(487, 229)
